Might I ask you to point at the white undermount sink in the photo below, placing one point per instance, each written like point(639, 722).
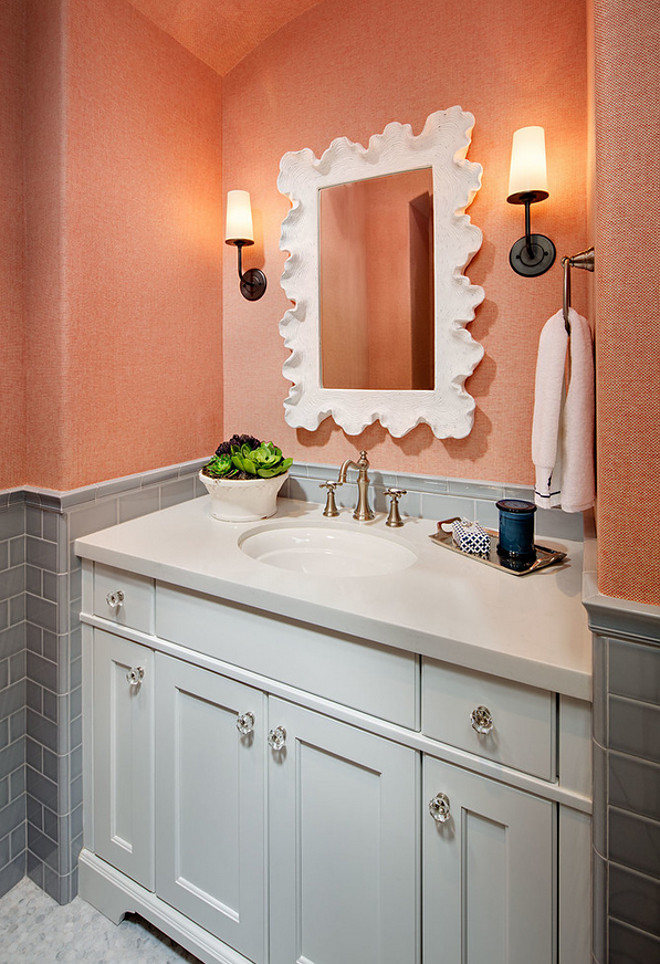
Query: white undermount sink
point(322, 550)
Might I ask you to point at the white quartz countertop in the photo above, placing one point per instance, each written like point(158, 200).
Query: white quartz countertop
point(532, 629)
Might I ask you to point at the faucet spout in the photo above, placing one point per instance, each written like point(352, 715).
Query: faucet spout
point(363, 513)
point(345, 466)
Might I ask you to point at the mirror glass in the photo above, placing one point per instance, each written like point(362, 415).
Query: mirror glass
point(376, 291)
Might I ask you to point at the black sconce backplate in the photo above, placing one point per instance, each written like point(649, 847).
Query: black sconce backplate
point(533, 254)
point(533, 257)
point(253, 284)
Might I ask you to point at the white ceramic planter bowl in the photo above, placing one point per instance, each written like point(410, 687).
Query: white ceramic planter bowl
point(243, 500)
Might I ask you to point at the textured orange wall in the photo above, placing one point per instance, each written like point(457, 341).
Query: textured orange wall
point(125, 242)
point(45, 350)
point(627, 294)
point(349, 69)
point(221, 32)
point(12, 375)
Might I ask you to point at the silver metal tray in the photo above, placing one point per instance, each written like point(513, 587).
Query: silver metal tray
point(544, 556)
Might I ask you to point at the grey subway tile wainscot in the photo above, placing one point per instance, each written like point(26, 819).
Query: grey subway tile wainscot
point(40, 685)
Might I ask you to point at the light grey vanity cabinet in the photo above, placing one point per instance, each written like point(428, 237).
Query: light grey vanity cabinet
point(250, 807)
point(211, 795)
point(489, 870)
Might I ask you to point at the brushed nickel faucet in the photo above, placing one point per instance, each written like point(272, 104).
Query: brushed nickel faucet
point(362, 511)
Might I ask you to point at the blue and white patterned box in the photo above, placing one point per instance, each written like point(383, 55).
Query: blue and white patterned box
point(470, 537)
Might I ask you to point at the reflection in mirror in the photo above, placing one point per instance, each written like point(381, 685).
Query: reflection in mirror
point(376, 283)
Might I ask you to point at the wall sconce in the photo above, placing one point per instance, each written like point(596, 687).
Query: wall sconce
point(239, 232)
point(528, 183)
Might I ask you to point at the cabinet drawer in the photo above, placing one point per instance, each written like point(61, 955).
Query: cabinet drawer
point(126, 599)
point(375, 679)
point(523, 717)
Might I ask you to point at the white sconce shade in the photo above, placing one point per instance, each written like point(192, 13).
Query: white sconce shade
point(239, 217)
point(528, 174)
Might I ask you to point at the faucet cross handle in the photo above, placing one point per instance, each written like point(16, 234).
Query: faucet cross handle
point(394, 518)
point(330, 504)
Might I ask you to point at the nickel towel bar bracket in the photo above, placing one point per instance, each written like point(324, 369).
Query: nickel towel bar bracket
point(585, 260)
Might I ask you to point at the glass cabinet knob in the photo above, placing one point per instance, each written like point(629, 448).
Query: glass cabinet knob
point(277, 738)
point(482, 720)
point(135, 675)
point(245, 723)
point(439, 808)
point(115, 599)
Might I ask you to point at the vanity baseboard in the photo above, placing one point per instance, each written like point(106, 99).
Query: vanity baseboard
point(114, 894)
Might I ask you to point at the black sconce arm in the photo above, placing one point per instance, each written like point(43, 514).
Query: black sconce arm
point(253, 283)
point(533, 254)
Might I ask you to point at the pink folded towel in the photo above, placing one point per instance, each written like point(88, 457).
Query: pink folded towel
point(563, 428)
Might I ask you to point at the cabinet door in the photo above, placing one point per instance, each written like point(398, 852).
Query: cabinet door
point(123, 721)
point(210, 816)
point(343, 843)
point(488, 877)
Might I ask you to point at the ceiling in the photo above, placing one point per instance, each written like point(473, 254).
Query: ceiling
point(221, 32)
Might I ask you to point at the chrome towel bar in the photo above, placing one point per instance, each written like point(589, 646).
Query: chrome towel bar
point(586, 260)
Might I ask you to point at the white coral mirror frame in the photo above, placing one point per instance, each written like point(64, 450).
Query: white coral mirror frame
point(442, 146)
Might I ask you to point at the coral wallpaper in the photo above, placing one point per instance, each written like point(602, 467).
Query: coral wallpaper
point(125, 252)
point(221, 33)
point(125, 342)
point(12, 380)
point(344, 69)
point(45, 425)
point(627, 290)
point(124, 155)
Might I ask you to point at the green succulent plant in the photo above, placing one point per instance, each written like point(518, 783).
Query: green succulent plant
point(219, 467)
point(245, 457)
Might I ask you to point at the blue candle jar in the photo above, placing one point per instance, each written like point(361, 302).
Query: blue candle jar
point(516, 528)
